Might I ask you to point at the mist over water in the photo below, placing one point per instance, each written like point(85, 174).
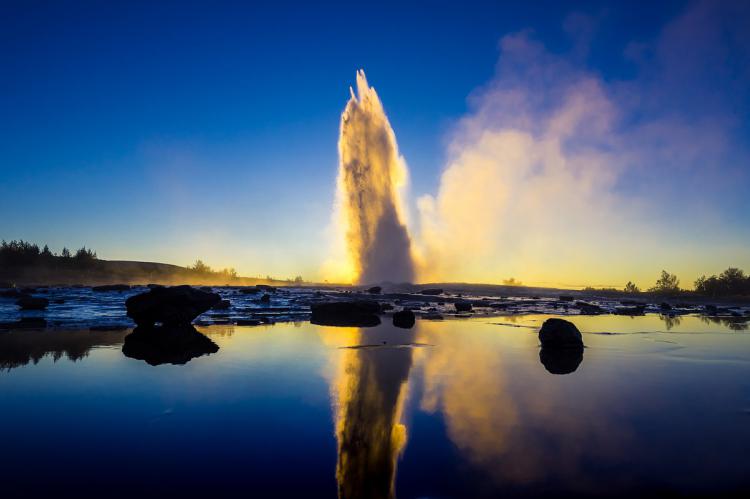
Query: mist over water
point(371, 174)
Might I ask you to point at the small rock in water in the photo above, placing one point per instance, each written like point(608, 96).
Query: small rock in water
point(32, 303)
point(637, 310)
point(386, 306)
point(375, 290)
point(404, 319)
point(462, 306)
point(110, 287)
point(266, 298)
point(431, 291)
point(559, 333)
point(360, 313)
point(565, 298)
point(251, 290)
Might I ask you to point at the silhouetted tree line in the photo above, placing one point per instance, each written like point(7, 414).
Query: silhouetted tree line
point(731, 282)
point(200, 269)
point(25, 254)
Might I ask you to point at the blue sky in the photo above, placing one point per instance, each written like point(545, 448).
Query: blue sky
point(183, 130)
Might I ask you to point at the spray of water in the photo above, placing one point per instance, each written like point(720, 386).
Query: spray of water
point(371, 177)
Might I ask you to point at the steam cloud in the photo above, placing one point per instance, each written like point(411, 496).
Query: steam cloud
point(371, 173)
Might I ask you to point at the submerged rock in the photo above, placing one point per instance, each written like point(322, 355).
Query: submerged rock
point(559, 333)
point(404, 319)
point(111, 287)
point(561, 360)
point(167, 344)
point(32, 303)
point(174, 306)
point(359, 313)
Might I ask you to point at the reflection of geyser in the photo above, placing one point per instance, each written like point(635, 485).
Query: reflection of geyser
point(371, 389)
point(370, 175)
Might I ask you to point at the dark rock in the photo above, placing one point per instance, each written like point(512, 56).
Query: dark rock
point(462, 306)
point(385, 307)
point(11, 293)
point(110, 327)
point(222, 305)
point(250, 290)
point(266, 298)
point(25, 323)
point(167, 344)
point(32, 303)
point(375, 290)
point(431, 291)
point(248, 322)
point(111, 287)
point(561, 360)
point(637, 310)
point(266, 288)
point(173, 306)
point(360, 313)
point(206, 288)
point(665, 306)
point(631, 302)
point(559, 333)
point(404, 319)
point(589, 308)
point(565, 298)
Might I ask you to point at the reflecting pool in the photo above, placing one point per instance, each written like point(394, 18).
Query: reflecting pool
point(452, 408)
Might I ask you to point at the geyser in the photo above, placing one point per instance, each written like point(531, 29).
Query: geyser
point(371, 174)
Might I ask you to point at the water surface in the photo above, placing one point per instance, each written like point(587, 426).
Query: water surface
point(453, 408)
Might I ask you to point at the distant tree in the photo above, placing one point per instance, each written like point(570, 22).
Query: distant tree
point(511, 282)
point(298, 280)
point(85, 255)
point(65, 253)
point(630, 287)
point(200, 268)
point(667, 283)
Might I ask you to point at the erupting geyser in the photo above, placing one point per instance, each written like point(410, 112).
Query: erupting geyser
point(371, 172)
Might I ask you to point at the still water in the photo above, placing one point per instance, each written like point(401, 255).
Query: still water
point(454, 408)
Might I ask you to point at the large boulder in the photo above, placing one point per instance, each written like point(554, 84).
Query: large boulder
point(359, 313)
point(32, 303)
point(167, 345)
point(559, 333)
point(173, 306)
point(404, 319)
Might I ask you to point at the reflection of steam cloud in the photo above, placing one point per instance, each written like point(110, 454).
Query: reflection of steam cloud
point(19, 348)
point(371, 389)
point(370, 175)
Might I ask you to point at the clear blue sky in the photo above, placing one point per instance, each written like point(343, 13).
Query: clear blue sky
point(169, 131)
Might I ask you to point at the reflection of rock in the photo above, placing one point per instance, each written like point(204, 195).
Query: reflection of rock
point(559, 333)
point(32, 303)
point(561, 360)
point(174, 306)
point(360, 313)
point(404, 319)
point(167, 345)
point(25, 323)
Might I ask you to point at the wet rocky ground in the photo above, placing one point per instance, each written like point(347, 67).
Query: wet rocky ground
point(103, 308)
